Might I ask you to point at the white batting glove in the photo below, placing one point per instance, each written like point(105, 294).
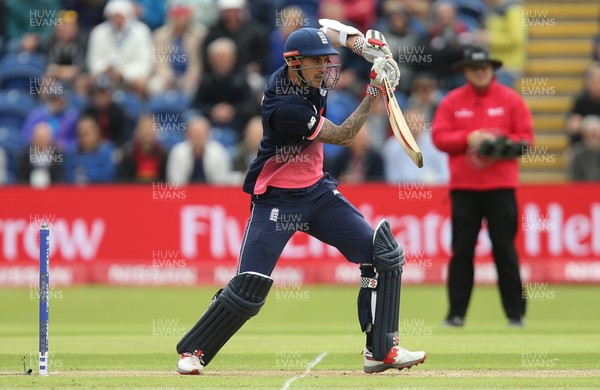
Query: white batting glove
point(371, 46)
point(392, 71)
point(378, 73)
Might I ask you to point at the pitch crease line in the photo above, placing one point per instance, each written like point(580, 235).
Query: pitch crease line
point(310, 366)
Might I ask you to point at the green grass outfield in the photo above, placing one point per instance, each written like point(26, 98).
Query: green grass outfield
point(106, 337)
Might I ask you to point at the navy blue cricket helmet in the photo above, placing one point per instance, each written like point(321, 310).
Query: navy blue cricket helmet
point(310, 42)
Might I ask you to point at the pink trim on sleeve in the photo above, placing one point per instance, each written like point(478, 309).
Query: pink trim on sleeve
point(317, 130)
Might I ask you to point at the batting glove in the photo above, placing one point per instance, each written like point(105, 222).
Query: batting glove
point(392, 71)
point(378, 73)
point(371, 46)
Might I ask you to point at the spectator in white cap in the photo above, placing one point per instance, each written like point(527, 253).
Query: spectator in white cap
point(121, 47)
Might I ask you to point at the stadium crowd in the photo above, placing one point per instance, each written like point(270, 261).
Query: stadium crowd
point(97, 91)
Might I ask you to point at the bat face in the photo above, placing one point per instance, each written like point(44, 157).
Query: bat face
point(399, 125)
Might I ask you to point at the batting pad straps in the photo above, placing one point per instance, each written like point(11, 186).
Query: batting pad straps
point(368, 283)
point(240, 300)
point(366, 294)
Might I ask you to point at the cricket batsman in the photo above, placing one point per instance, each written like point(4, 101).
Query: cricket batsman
point(287, 179)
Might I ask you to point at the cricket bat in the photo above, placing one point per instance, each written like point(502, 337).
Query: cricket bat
point(399, 125)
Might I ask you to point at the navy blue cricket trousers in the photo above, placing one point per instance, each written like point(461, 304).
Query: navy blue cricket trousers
point(319, 210)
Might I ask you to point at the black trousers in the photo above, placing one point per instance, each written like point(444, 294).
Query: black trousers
point(499, 208)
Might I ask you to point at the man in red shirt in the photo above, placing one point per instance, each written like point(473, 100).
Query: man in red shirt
point(483, 126)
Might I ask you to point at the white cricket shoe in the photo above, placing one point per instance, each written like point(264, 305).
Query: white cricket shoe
point(398, 357)
point(190, 364)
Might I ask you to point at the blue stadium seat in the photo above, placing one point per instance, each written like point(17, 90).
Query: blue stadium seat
point(402, 99)
point(169, 113)
point(2, 46)
point(15, 106)
point(17, 69)
point(133, 106)
point(472, 13)
point(10, 141)
point(10, 138)
point(473, 24)
point(171, 102)
point(76, 101)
